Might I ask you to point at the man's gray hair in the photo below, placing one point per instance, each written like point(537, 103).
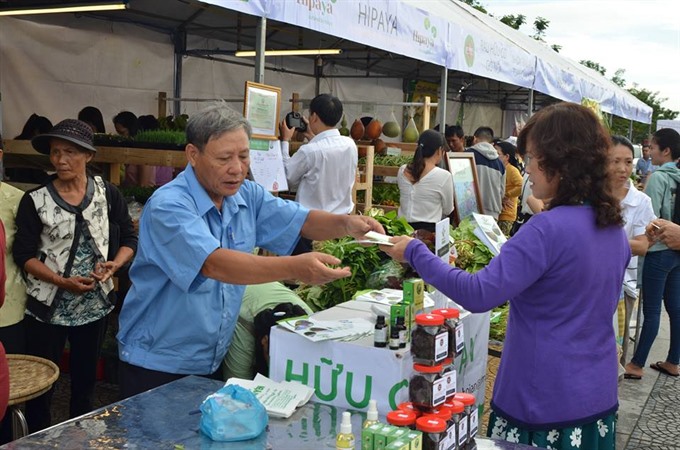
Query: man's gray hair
point(212, 122)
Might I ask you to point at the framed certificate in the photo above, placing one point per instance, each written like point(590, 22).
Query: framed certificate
point(261, 108)
point(466, 195)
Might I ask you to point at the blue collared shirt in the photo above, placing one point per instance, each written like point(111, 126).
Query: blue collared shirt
point(174, 319)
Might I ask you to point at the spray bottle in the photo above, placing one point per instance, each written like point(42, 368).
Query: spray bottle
point(345, 439)
point(371, 414)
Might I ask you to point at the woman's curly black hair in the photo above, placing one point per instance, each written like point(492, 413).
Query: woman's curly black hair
point(570, 142)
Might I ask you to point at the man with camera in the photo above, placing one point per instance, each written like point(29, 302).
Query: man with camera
point(322, 171)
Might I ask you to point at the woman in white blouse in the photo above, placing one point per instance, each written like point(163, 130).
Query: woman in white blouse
point(637, 211)
point(426, 191)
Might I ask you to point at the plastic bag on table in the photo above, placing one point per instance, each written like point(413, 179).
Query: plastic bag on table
point(232, 414)
point(388, 275)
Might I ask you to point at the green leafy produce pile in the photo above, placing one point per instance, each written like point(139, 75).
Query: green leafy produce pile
point(178, 123)
point(388, 160)
point(111, 140)
point(473, 256)
point(386, 194)
point(497, 328)
point(173, 137)
point(362, 261)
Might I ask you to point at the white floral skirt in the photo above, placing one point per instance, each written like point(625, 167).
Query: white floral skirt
point(598, 435)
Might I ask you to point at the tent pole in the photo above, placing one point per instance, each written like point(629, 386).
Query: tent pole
point(180, 44)
point(630, 130)
point(530, 107)
point(260, 42)
point(443, 93)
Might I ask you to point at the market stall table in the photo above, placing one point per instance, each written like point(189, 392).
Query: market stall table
point(166, 417)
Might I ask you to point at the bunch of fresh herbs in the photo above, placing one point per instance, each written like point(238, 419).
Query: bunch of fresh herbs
point(362, 261)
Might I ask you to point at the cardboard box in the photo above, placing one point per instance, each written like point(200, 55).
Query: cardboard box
point(367, 435)
point(398, 445)
point(380, 437)
point(414, 293)
point(404, 310)
point(415, 438)
point(398, 434)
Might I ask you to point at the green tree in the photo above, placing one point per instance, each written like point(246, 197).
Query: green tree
point(475, 4)
point(641, 130)
point(593, 65)
point(514, 21)
point(540, 26)
point(618, 78)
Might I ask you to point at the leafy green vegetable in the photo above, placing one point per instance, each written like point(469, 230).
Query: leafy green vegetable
point(362, 261)
point(498, 327)
point(386, 194)
point(162, 137)
point(473, 255)
point(388, 160)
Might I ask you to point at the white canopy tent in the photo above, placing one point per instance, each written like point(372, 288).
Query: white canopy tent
point(454, 35)
point(54, 65)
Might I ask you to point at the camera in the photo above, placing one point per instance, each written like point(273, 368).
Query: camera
point(294, 120)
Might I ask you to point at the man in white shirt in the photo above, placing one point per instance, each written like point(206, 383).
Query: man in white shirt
point(323, 170)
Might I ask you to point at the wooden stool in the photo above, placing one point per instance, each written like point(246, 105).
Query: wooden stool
point(29, 377)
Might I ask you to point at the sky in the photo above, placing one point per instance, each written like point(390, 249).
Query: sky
point(640, 36)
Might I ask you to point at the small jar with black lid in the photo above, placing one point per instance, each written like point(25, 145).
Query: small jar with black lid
point(429, 340)
point(427, 388)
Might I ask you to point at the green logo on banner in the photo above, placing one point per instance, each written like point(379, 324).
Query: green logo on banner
point(259, 144)
point(428, 26)
point(469, 51)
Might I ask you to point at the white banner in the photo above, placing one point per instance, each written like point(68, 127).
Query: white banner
point(349, 374)
point(342, 374)
point(475, 51)
point(253, 7)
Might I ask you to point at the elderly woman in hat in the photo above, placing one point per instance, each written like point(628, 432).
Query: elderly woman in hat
point(73, 234)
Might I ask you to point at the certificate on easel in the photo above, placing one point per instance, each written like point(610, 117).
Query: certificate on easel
point(261, 107)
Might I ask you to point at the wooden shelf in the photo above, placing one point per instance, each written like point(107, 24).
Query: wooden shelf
point(385, 171)
point(365, 182)
point(19, 152)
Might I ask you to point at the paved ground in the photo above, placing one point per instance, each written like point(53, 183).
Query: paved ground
point(649, 411)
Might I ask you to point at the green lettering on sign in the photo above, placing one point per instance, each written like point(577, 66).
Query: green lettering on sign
point(334, 381)
point(363, 403)
point(393, 393)
point(290, 376)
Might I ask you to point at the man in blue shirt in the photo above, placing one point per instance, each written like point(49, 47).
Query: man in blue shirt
point(195, 255)
point(644, 165)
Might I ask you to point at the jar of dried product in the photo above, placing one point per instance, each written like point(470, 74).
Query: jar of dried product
point(429, 340)
point(434, 432)
point(427, 388)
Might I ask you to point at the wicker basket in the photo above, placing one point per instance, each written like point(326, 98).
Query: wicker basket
point(29, 377)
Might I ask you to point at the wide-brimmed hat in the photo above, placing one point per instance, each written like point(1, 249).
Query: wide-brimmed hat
point(72, 130)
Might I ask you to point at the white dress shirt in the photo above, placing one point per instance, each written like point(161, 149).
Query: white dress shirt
point(323, 171)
